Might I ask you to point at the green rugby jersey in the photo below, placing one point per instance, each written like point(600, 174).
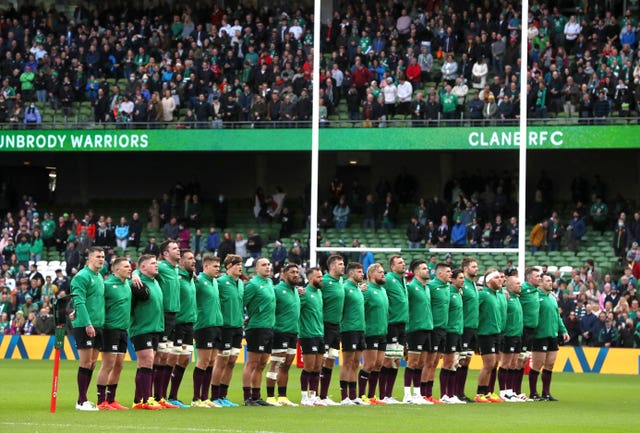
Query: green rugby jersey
point(147, 316)
point(376, 310)
point(117, 303)
point(260, 302)
point(420, 317)
point(530, 301)
point(514, 317)
point(311, 321)
point(439, 302)
point(89, 302)
point(231, 295)
point(169, 282)
point(353, 311)
point(188, 311)
point(470, 304)
point(455, 324)
point(396, 288)
point(332, 298)
point(550, 323)
point(208, 302)
point(489, 309)
point(287, 308)
point(502, 298)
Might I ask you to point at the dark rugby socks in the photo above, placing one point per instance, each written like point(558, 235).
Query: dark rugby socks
point(546, 381)
point(325, 380)
point(198, 376)
point(111, 393)
point(373, 382)
point(102, 394)
point(363, 379)
point(206, 382)
point(176, 380)
point(533, 381)
point(503, 379)
point(84, 379)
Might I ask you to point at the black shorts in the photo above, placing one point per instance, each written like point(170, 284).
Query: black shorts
point(376, 342)
point(83, 341)
point(419, 341)
point(207, 338)
point(169, 326)
point(453, 343)
point(489, 344)
point(231, 338)
point(312, 346)
point(331, 336)
point(146, 341)
point(282, 341)
point(511, 345)
point(396, 333)
point(352, 341)
point(527, 338)
point(438, 340)
point(259, 340)
point(114, 340)
point(549, 344)
point(182, 334)
point(470, 339)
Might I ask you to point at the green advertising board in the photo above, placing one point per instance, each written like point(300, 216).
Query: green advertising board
point(335, 139)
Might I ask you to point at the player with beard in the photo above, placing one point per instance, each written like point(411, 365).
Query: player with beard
point(352, 334)
point(545, 342)
point(207, 330)
point(490, 326)
point(419, 329)
point(502, 300)
point(376, 313)
point(455, 326)
point(285, 335)
point(530, 301)
point(396, 288)
point(311, 338)
point(470, 331)
point(333, 304)
point(260, 304)
point(512, 342)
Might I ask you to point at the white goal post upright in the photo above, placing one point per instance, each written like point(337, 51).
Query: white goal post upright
point(522, 160)
point(315, 136)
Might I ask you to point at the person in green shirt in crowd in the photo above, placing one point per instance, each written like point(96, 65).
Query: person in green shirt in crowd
point(530, 302)
point(470, 332)
point(48, 230)
point(311, 338)
point(185, 318)
point(117, 318)
point(88, 288)
point(260, 303)
point(489, 328)
point(145, 330)
point(455, 327)
point(440, 298)
point(396, 288)
point(231, 289)
point(207, 330)
point(23, 251)
point(511, 345)
point(545, 342)
point(376, 313)
point(37, 245)
point(169, 282)
point(419, 327)
point(333, 303)
point(285, 334)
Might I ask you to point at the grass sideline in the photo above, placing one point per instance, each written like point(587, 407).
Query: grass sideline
point(588, 403)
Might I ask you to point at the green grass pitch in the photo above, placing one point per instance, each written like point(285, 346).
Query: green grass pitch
point(588, 403)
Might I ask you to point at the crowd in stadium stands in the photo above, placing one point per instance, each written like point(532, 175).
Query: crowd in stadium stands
point(203, 66)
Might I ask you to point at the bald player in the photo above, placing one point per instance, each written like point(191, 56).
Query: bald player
point(530, 301)
point(311, 338)
point(512, 342)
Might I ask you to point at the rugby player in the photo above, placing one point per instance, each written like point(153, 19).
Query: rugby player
point(145, 331)
point(396, 288)
point(352, 334)
point(376, 313)
point(260, 303)
point(511, 345)
point(285, 335)
point(231, 289)
point(207, 330)
point(530, 301)
point(545, 342)
point(333, 303)
point(88, 286)
point(311, 338)
point(470, 332)
point(117, 301)
point(502, 299)
point(455, 326)
point(419, 329)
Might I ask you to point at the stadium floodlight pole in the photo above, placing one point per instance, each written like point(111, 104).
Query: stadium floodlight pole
point(522, 178)
point(60, 318)
point(315, 136)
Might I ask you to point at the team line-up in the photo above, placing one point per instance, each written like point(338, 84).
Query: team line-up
point(379, 317)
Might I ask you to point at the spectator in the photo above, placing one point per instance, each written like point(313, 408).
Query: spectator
point(254, 244)
point(241, 246)
point(341, 214)
point(278, 256)
point(44, 324)
point(459, 234)
point(198, 241)
point(538, 236)
point(227, 246)
point(213, 240)
point(573, 328)
point(609, 335)
point(152, 247)
point(415, 233)
point(171, 230)
point(122, 234)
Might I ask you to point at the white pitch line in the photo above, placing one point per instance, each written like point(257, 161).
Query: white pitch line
point(132, 428)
